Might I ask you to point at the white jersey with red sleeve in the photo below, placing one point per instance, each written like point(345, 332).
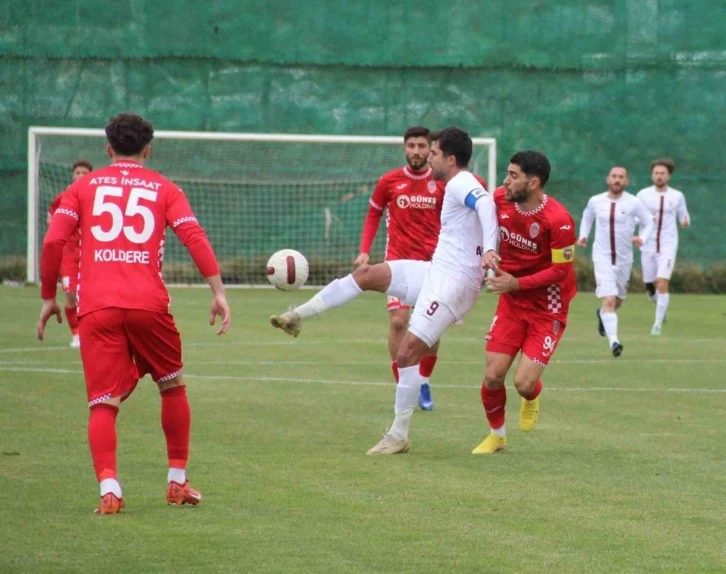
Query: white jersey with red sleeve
point(538, 247)
point(413, 202)
point(123, 211)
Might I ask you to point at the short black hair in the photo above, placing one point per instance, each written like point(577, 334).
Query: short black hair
point(128, 134)
point(533, 163)
point(666, 163)
point(620, 165)
point(454, 141)
point(82, 163)
point(416, 132)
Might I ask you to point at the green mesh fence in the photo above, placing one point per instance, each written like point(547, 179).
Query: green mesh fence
point(589, 83)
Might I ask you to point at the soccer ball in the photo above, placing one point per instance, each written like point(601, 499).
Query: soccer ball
point(287, 270)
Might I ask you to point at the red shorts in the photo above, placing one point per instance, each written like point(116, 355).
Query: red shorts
point(535, 333)
point(69, 274)
point(120, 346)
point(394, 304)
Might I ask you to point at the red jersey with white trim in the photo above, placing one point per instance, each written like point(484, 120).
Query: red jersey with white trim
point(538, 241)
point(414, 204)
point(123, 211)
point(72, 249)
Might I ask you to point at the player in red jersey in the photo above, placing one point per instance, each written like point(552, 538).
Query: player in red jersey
point(413, 200)
point(71, 258)
point(536, 280)
point(122, 212)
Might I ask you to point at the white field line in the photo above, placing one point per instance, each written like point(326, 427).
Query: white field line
point(381, 383)
point(380, 341)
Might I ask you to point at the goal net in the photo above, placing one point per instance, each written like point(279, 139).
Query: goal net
point(253, 193)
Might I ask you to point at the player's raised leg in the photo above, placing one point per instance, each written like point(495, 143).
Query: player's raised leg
point(335, 294)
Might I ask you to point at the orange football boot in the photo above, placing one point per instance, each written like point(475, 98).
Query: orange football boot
point(110, 504)
point(182, 494)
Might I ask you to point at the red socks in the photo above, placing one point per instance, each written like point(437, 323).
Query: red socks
point(426, 366)
point(535, 393)
point(72, 318)
point(176, 420)
point(102, 439)
point(494, 401)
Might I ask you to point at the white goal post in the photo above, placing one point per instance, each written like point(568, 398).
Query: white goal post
point(254, 193)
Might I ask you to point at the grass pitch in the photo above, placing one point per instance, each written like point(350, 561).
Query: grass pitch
point(625, 471)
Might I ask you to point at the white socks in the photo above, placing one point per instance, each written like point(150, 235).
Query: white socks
point(110, 485)
point(501, 431)
point(661, 307)
point(610, 322)
point(335, 294)
point(178, 475)
point(407, 390)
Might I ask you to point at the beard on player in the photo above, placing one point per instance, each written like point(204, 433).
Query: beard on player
point(516, 194)
point(416, 162)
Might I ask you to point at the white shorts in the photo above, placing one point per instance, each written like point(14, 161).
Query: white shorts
point(440, 300)
point(612, 280)
point(657, 266)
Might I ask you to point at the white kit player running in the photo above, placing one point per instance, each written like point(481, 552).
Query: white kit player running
point(615, 214)
point(658, 255)
point(443, 290)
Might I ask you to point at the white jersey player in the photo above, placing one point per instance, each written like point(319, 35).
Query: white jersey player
point(443, 290)
point(615, 214)
point(667, 207)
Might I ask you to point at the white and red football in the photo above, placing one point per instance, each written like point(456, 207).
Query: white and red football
point(287, 270)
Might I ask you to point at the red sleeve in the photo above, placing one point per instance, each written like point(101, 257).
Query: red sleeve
point(55, 204)
point(562, 246)
point(556, 273)
point(181, 218)
point(378, 202)
point(192, 237)
point(481, 180)
point(61, 227)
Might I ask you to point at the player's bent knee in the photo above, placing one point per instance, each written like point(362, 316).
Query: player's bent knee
point(373, 277)
point(176, 381)
point(399, 324)
point(410, 352)
point(493, 379)
point(524, 385)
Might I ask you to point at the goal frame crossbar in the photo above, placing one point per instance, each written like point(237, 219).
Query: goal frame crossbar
point(33, 251)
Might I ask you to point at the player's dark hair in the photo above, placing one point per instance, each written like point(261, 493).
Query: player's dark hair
point(83, 163)
point(128, 134)
point(454, 141)
point(666, 163)
point(416, 132)
point(621, 166)
point(533, 163)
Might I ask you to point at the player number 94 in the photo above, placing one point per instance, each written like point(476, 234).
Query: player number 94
point(133, 207)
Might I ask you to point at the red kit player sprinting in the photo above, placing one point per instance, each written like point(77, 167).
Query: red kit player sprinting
point(122, 212)
point(71, 258)
point(412, 200)
point(535, 277)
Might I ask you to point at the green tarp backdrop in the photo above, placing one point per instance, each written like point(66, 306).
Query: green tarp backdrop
point(590, 83)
